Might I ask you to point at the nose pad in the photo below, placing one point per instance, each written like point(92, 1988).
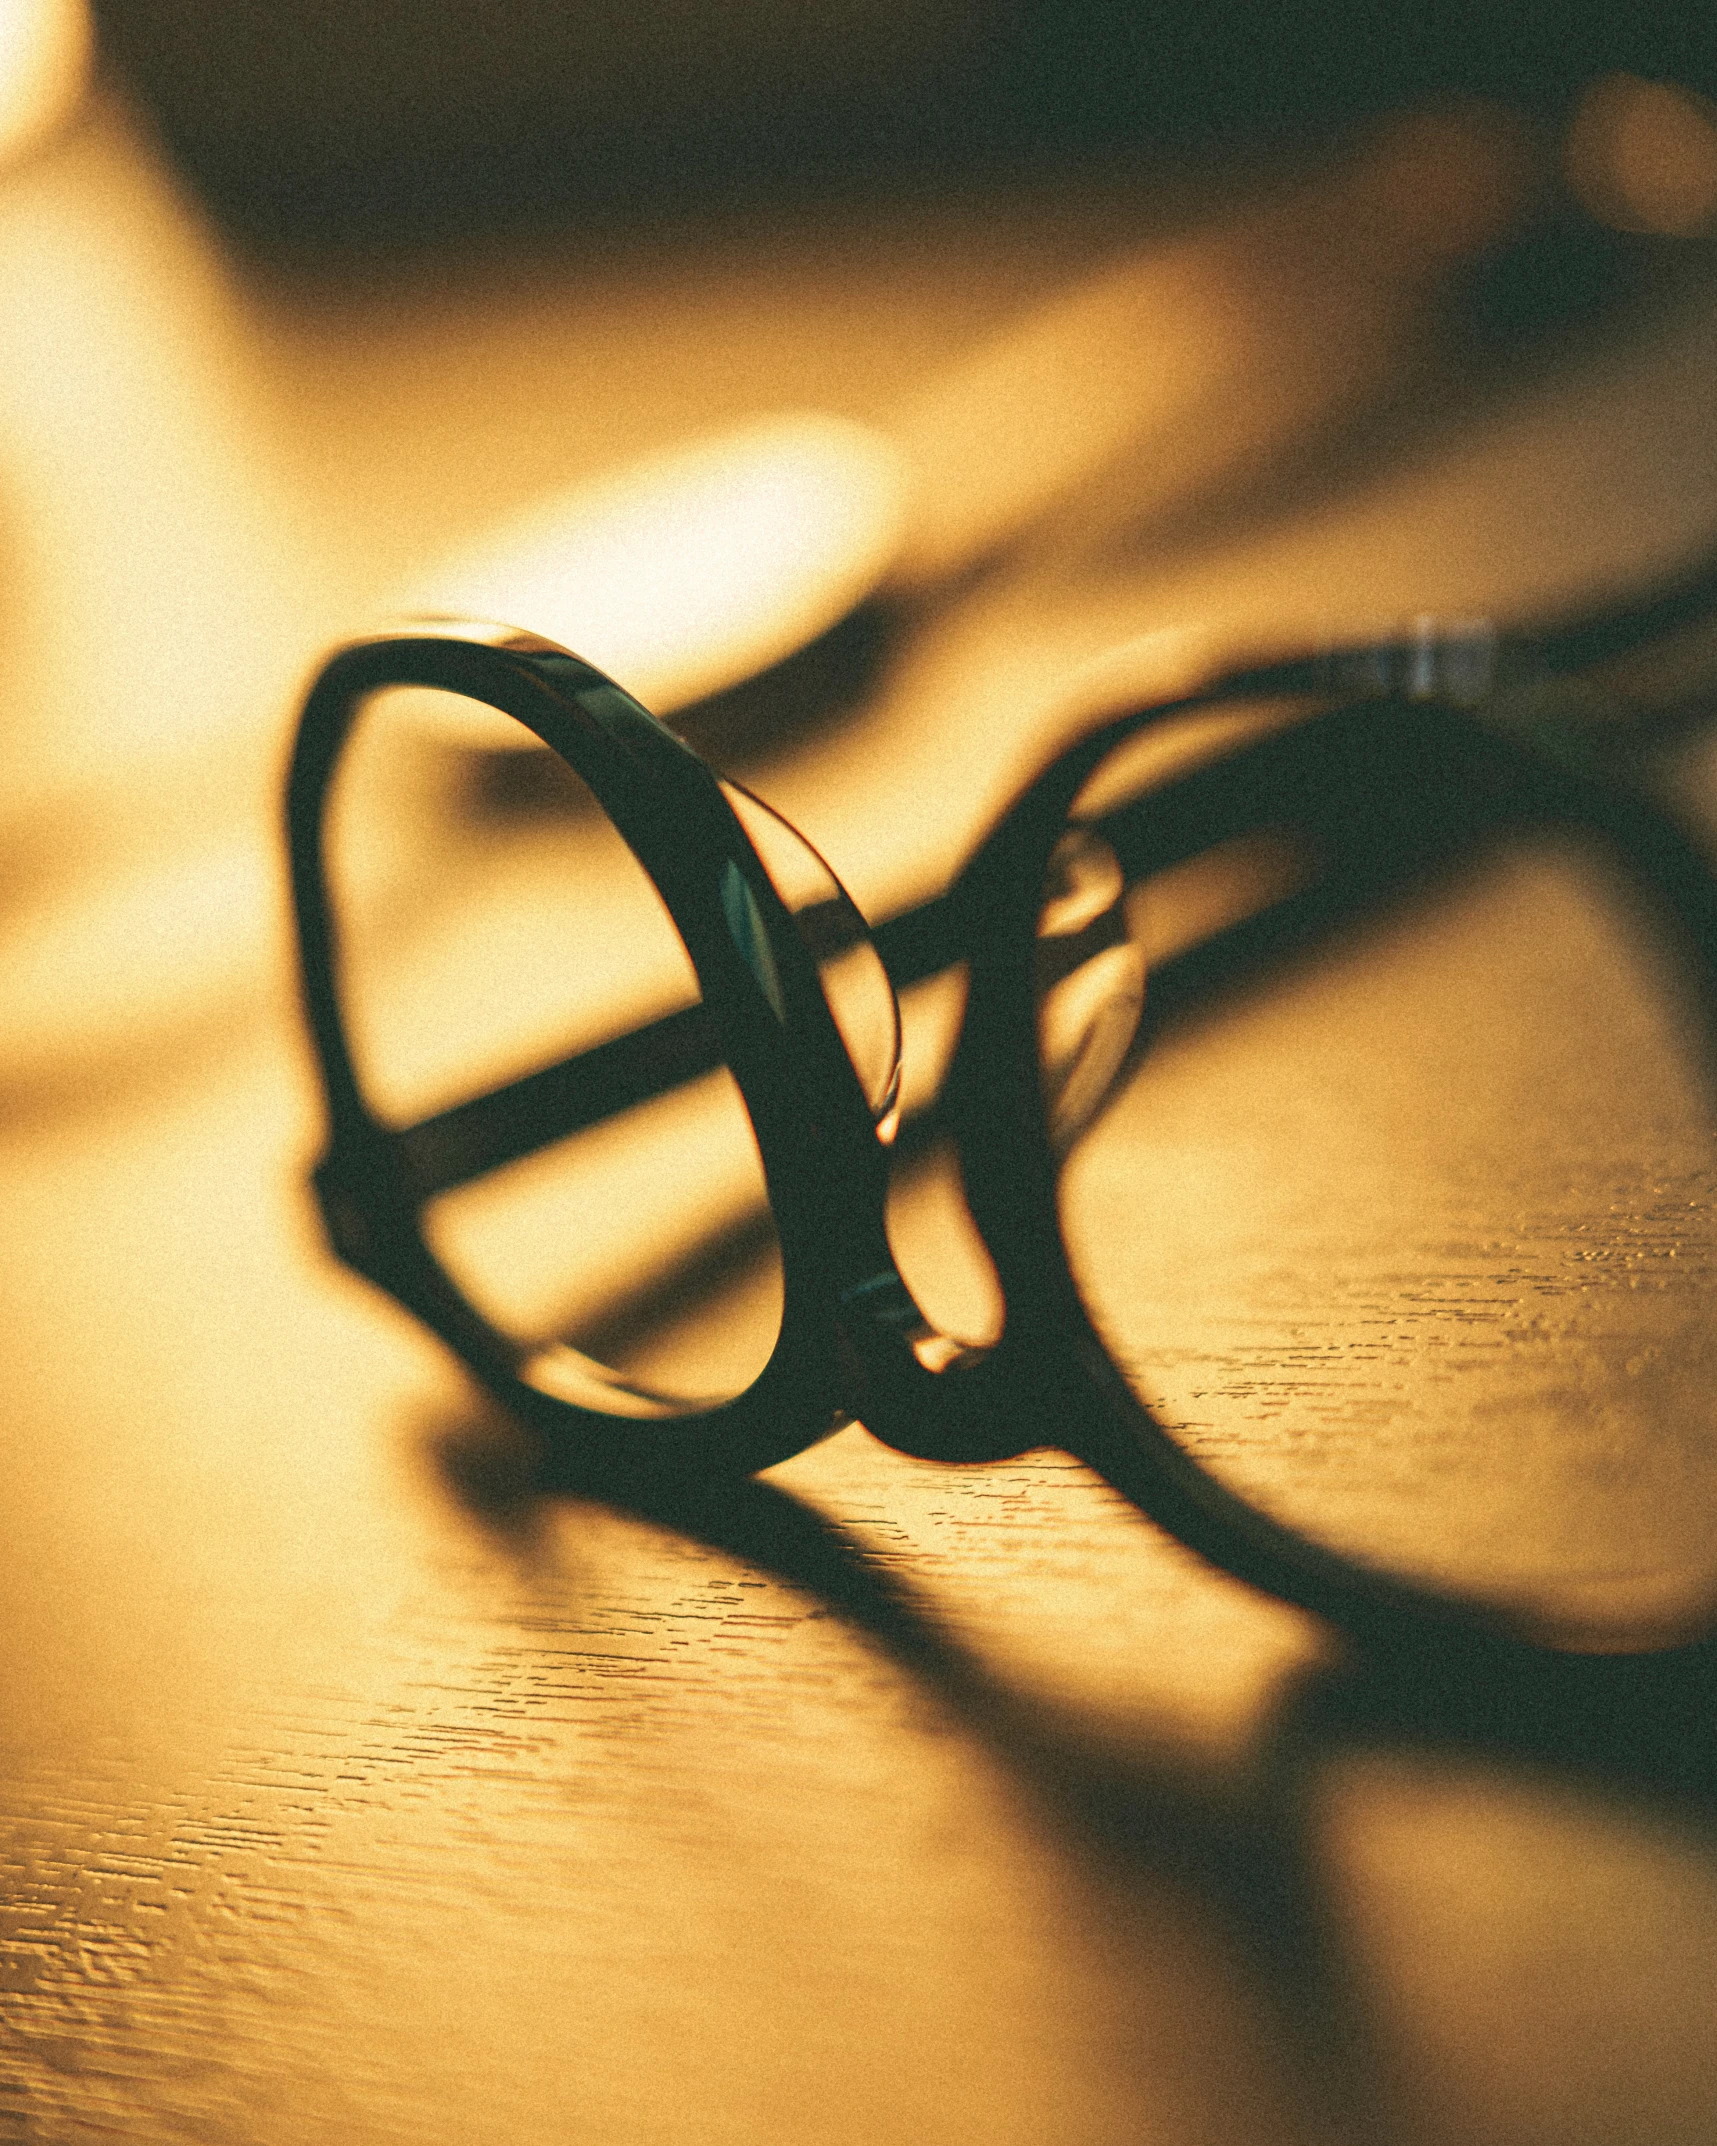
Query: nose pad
point(1090, 982)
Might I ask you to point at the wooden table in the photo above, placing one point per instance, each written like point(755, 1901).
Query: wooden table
point(353, 1791)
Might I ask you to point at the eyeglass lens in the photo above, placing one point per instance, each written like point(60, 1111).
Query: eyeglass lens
point(494, 927)
point(1333, 1217)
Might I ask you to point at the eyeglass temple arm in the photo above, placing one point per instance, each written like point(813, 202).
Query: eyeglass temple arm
point(594, 1085)
point(1283, 776)
point(1305, 776)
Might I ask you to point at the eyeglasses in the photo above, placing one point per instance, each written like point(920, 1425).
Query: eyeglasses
point(612, 1070)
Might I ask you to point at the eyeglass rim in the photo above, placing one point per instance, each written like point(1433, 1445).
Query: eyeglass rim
point(1010, 1161)
point(813, 1125)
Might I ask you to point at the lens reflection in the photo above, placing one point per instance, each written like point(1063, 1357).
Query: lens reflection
point(854, 981)
point(490, 929)
point(1409, 1237)
point(1090, 980)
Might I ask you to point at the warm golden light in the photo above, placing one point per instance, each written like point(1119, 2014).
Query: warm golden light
point(358, 1789)
point(569, 1240)
point(1642, 156)
point(693, 569)
point(45, 52)
point(147, 503)
point(1179, 361)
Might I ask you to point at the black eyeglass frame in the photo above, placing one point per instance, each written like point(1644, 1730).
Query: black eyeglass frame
point(850, 1335)
point(812, 1122)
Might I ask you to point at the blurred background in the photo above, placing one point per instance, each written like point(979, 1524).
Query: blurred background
point(1134, 318)
point(320, 116)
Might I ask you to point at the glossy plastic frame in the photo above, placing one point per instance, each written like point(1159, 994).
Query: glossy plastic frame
point(1380, 721)
point(824, 1169)
point(1444, 790)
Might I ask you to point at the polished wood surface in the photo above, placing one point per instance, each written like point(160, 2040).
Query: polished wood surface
point(355, 1790)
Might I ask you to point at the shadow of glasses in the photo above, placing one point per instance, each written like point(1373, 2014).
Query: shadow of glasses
point(1124, 1797)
